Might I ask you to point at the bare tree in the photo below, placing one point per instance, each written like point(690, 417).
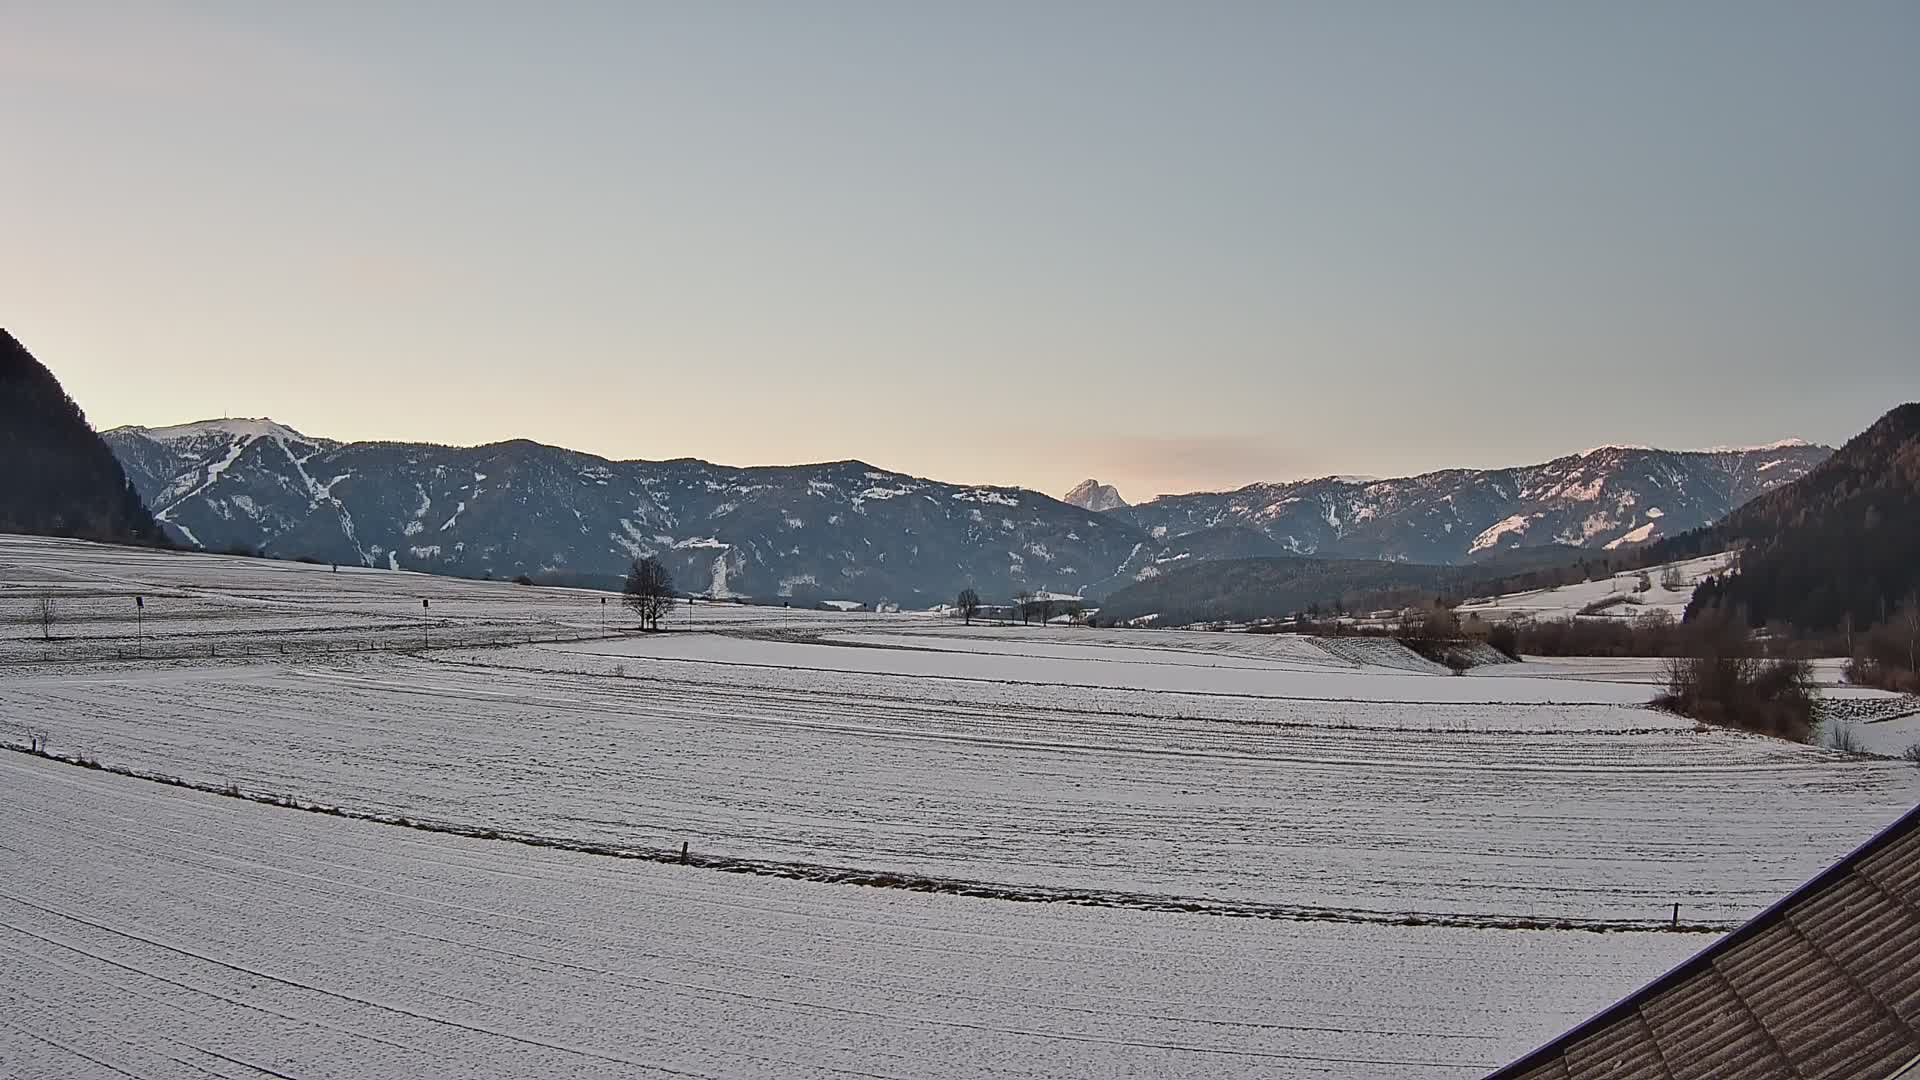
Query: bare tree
point(1045, 602)
point(1671, 579)
point(1910, 622)
point(1023, 600)
point(1840, 735)
point(43, 610)
point(649, 591)
point(968, 604)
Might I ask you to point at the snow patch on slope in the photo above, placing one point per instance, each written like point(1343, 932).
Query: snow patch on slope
point(1518, 523)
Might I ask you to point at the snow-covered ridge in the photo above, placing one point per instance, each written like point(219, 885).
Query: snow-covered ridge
point(1783, 444)
point(259, 427)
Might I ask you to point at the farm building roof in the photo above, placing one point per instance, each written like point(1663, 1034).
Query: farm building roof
point(1825, 983)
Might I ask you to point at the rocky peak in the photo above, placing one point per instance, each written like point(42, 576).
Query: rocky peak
point(1093, 495)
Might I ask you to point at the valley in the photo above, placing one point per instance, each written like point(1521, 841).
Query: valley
point(1055, 840)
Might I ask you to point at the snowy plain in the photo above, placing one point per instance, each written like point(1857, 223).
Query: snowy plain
point(153, 932)
point(1344, 795)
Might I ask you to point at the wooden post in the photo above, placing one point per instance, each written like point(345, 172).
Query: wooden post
point(1676, 916)
point(683, 852)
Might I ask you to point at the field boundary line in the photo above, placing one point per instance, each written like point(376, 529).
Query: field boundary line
point(901, 880)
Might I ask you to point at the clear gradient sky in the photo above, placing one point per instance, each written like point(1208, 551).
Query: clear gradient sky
point(1174, 246)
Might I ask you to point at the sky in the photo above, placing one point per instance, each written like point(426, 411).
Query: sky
point(1172, 246)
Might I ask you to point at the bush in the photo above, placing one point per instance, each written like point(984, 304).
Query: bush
point(1505, 638)
point(1652, 634)
point(1911, 754)
point(1431, 632)
point(1457, 661)
point(1840, 735)
point(1772, 697)
point(1870, 671)
point(522, 579)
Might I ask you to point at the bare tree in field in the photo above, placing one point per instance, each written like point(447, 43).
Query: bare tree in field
point(1023, 600)
point(43, 611)
point(649, 591)
point(968, 604)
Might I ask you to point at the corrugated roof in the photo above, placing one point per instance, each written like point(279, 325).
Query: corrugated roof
point(1824, 984)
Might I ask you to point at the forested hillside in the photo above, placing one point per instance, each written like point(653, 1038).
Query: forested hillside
point(1840, 546)
point(61, 479)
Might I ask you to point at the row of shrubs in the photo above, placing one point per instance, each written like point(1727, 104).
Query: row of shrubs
point(1717, 670)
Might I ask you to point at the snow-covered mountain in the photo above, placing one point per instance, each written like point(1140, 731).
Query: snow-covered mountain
point(850, 530)
point(810, 532)
point(1602, 498)
point(1093, 495)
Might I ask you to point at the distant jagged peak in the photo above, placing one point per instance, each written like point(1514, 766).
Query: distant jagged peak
point(240, 427)
point(1091, 494)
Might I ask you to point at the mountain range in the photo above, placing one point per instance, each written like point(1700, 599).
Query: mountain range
point(1607, 498)
point(848, 530)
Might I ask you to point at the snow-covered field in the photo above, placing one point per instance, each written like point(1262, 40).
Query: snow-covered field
point(1620, 592)
point(116, 603)
point(1152, 777)
point(158, 933)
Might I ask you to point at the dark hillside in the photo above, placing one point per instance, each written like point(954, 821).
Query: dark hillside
point(1841, 543)
point(62, 480)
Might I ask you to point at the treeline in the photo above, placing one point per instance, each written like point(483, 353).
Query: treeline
point(1835, 556)
point(1246, 590)
point(1717, 671)
point(1277, 587)
point(1521, 570)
